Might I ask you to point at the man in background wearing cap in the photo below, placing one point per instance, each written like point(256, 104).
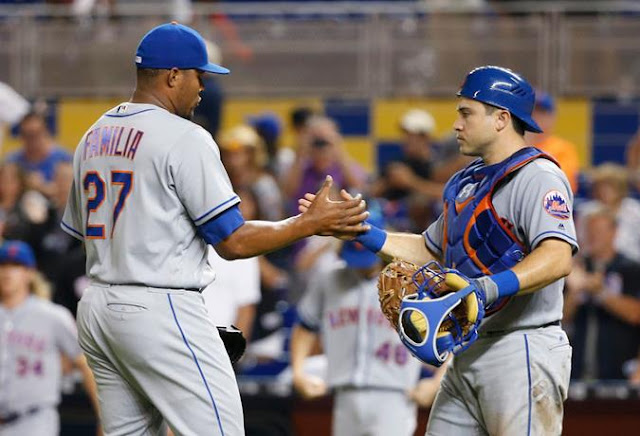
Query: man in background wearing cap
point(563, 151)
point(35, 335)
point(149, 193)
point(371, 373)
point(408, 183)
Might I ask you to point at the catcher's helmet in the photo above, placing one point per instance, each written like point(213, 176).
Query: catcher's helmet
point(502, 88)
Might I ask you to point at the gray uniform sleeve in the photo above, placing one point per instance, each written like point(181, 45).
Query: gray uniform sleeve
point(72, 218)
point(199, 178)
point(545, 205)
point(311, 306)
point(65, 333)
point(434, 236)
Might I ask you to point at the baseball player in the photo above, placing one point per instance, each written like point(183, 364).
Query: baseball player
point(34, 335)
point(507, 223)
point(369, 370)
point(149, 193)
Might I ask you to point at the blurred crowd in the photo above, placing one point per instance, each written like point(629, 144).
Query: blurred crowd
point(602, 305)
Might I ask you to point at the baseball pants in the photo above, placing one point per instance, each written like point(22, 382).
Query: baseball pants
point(373, 412)
point(45, 422)
point(157, 358)
point(513, 384)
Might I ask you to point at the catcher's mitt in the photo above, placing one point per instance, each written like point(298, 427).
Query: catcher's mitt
point(394, 283)
point(437, 282)
point(234, 342)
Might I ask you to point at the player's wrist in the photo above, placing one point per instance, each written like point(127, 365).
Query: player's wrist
point(373, 239)
point(500, 285)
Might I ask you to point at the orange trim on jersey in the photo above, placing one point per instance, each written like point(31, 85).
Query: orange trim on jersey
point(460, 206)
point(465, 238)
point(444, 231)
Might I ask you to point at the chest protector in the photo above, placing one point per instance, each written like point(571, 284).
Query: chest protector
point(476, 240)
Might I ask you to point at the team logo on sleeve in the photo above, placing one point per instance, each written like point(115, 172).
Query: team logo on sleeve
point(556, 205)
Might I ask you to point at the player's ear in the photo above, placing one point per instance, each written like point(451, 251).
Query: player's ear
point(173, 78)
point(502, 119)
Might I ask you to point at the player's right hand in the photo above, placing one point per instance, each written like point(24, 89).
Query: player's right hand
point(309, 386)
point(334, 218)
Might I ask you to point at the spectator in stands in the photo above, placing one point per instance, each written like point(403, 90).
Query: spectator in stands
point(563, 151)
point(610, 189)
point(408, 182)
point(269, 127)
point(27, 211)
point(322, 152)
point(299, 120)
point(245, 158)
point(633, 162)
point(603, 303)
point(208, 113)
point(39, 154)
point(61, 257)
point(13, 107)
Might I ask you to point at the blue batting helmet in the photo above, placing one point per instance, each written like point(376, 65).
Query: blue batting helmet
point(502, 88)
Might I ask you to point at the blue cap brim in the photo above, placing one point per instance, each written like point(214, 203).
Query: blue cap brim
point(213, 68)
point(360, 259)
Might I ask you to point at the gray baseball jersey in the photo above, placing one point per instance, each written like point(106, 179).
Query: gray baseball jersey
point(33, 337)
point(368, 367)
point(362, 348)
point(142, 178)
point(523, 203)
point(514, 378)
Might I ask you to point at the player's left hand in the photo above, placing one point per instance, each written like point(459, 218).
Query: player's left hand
point(334, 218)
point(425, 391)
point(309, 386)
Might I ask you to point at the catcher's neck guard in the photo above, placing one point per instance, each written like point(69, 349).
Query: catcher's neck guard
point(430, 326)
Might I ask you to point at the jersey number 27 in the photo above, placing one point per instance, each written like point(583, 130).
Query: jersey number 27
point(93, 182)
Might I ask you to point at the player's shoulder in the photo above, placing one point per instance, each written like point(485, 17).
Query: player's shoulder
point(541, 170)
point(50, 311)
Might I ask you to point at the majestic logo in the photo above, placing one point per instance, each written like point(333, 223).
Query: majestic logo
point(556, 205)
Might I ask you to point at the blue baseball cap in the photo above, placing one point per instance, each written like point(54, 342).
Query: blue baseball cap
point(545, 102)
point(17, 252)
point(267, 124)
point(357, 256)
point(354, 253)
point(173, 45)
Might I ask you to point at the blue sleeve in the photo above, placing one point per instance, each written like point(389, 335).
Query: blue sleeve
point(220, 227)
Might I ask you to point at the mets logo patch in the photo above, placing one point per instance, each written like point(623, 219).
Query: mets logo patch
point(556, 205)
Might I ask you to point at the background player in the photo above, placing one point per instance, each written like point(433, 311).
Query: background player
point(508, 224)
point(149, 193)
point(372, 374)
point(35, 335)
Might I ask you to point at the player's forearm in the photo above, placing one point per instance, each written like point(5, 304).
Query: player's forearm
point(550, 261)
point(244, 319)
point(259, 237)
point(429, 188)
point(302, 343)
point(88, 383)
point(622, 306)
point(406, 246)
